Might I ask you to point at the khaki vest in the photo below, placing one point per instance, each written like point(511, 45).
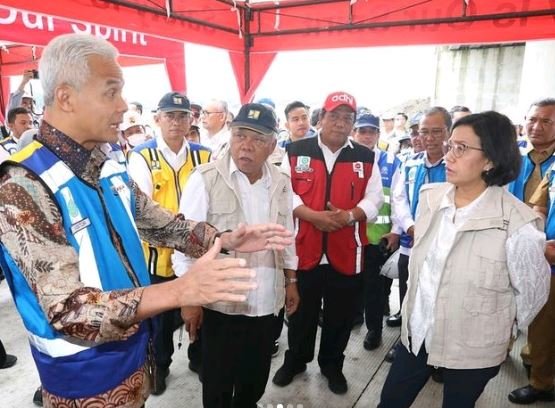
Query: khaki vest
point(475, 307)
point(225, 212)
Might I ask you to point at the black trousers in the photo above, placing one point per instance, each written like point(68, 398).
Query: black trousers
point(403, 266)
point(376, 288)
point(2, 354)
point(340, 294)
point(236, 353)
point(165, 324)
point(409, 373)
point(278, 324)
point(194, 351)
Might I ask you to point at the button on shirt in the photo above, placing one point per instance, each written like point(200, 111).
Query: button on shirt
point(521, 246)
point(140, 172)
point(255, 203)
point(373, 195)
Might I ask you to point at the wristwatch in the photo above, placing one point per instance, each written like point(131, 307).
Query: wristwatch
point(288, 281)
point(351, 220)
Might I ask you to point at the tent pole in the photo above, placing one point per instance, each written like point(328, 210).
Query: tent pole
point(411, 23)
point(162, 12)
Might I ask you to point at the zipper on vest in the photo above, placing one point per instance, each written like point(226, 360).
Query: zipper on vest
point(177, 186)
point(113, 232)
point(328, 194)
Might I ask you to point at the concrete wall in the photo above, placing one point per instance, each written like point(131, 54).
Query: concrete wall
point(481, 78)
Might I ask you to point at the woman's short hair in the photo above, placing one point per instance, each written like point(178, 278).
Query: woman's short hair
point(498, 139)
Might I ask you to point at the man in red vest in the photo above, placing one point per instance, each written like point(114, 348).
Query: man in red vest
point(337, 188)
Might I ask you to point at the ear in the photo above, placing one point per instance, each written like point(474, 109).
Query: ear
point(65, 97)
point(157, 118)
point(488, 166)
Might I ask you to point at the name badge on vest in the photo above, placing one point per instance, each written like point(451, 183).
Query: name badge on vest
point(358, 168)
point(80, 225)
point(118, 186)
point(303, 165)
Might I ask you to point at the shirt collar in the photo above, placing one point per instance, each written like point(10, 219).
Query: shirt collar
point(68, 150)
point(265, 172)
point(427, 162)
point(448, 200)
point(163, 146)
point(322, 145)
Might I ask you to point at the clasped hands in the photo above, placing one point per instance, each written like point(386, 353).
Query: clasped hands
point(330, 220)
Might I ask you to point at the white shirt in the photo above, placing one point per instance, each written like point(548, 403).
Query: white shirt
point(255, 202)
point(218, 143)
point(400, 206)
point(373, 195)
point(400, 209)
point(525, 244)
point(140, 172)
point(4, 155)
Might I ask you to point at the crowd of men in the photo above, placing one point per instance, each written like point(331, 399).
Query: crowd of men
point(344, 180)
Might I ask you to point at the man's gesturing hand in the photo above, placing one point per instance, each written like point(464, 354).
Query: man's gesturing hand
point(212, 280)
point(253, 238)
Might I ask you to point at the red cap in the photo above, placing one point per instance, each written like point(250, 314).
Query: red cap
point(336, 99)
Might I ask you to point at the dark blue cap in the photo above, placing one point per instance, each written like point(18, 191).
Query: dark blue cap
point(367, 120)
point(174, 102)
point(258, 117)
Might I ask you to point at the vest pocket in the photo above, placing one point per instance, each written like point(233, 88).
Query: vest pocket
point(159, 180)
point(486, 318)
point(219, 213)
point(302, 184)
point(491, 268)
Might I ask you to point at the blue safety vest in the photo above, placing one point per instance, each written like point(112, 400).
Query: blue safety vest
point(69, 367)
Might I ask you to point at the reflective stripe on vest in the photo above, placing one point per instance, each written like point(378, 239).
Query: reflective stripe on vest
point(76, 368)
point(167, 188)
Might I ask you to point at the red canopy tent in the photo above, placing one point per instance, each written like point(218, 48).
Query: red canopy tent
point(254, 31)
point(24, 34)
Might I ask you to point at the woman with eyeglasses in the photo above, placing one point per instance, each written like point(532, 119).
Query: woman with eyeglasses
point(477, 269)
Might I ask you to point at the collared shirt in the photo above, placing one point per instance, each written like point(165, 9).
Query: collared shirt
point(140, 172)
point(540, 197)
point(218, 143)
point(400, 207)
point(524, 244)
point(72, 309)
point(373, 195)
point(255, 202)
point(537, 157)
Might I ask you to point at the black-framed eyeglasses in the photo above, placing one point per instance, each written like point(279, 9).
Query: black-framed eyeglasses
point(206, 113)
point(458, 149)
point(196, 115)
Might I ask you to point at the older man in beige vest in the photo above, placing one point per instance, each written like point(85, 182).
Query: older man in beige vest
point(242, 187)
